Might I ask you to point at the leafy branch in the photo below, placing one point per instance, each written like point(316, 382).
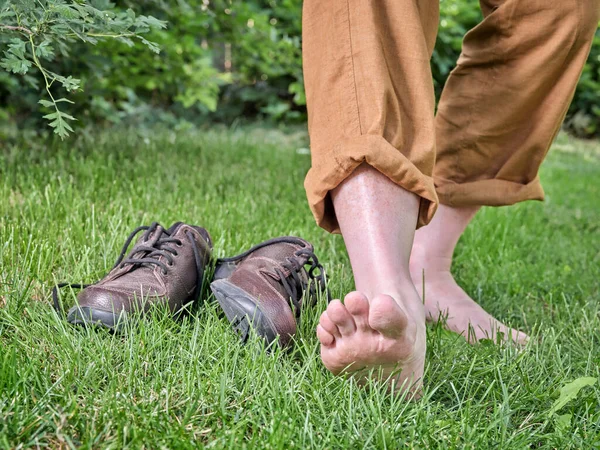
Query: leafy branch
point(42, 28)
point(16, 28)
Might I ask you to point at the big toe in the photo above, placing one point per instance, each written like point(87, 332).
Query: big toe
point(499, 333)
point(386, 316)
point(518, 337)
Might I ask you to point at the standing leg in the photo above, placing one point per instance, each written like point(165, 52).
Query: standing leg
point(370, 107)
point(444, 298)
point(500, 111)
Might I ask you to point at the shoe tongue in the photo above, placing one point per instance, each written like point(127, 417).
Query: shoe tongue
point(278, 252)
point(201, 231)
point(173, 228)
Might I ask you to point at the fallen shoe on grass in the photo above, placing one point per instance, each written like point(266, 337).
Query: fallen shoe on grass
point(265, 287)
point(165, 266)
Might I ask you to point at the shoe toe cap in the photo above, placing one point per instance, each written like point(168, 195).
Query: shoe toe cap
point(104, 299)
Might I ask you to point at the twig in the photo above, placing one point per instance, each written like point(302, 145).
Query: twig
point(99, 35)
point(21, 29)
point(38, 64)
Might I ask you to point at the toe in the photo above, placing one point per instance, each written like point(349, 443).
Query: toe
point(386, 316)
point(497, 332)
point(325, 338)
point(357, 304)
point(340, 316)
point(518, 337)
point(327, 325)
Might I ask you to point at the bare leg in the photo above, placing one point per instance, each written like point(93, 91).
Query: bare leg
point(432, 256)
point(380, 326)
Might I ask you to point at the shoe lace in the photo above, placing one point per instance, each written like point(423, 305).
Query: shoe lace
point(293, 283)
point(295, 286)
point(150, 254)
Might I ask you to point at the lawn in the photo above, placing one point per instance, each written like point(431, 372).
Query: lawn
point(67, 208)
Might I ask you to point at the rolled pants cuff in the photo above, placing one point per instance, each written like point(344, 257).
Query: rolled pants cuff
point(325, 175)
point(493, 192)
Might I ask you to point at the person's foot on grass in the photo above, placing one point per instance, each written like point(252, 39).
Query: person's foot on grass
point(379, 338)
point(445, 300)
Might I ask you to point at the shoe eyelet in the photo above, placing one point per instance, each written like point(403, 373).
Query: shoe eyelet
point(175, 253)
point(179, 244)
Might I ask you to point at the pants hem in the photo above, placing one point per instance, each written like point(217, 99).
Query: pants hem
point(492, 192)
point(339, 163)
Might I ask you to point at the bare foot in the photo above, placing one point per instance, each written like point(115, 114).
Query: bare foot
point(359, 335)
point(444, 299)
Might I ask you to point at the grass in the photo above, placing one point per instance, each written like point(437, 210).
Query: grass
point(66, 210)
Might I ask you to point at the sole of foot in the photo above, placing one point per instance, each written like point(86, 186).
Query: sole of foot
point(374, 339)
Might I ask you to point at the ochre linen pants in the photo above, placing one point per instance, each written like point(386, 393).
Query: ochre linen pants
point(370, 97)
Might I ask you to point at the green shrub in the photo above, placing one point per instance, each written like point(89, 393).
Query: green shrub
point(584, 114)
point(456, 18)
point(44, 31)
point(219, 60)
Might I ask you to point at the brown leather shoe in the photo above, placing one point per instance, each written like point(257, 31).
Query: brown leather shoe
point(266, 287)
point(164, 266)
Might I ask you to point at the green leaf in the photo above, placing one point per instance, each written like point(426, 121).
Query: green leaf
point(26, 5)
point(100, 10)
point(125, 40)
point(58, 123)
point(66, 12)
point(570, 392)
point(151, 22)
point(46, 103)
point(45, 50)
point(51, 116)
point(297, 89)
point(69, 83)
point(151, 45)
point(563, 422)
point(67, 127)
point(102, 4)
point(17, 48)
point(15, 60)
point(15, 64)
point(65, 116)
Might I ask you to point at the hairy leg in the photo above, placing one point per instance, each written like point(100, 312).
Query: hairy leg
point(381, 325)
point(430, 264)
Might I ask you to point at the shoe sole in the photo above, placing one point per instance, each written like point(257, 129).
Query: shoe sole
point(243, 313)
point(86, 316)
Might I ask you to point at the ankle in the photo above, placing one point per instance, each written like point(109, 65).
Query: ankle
point(434, 245)
point(429, 259)
point(383, 280)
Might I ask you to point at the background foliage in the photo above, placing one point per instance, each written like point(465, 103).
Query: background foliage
point(244, 57)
